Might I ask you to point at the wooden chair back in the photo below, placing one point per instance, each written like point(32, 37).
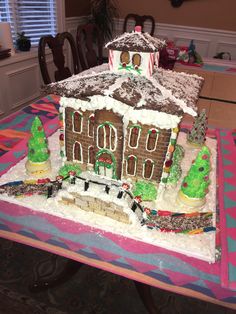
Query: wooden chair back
point(139, 21)
point(56, 44)
point(89, 46)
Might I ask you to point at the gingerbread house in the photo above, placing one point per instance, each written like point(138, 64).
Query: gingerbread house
point(122, 120)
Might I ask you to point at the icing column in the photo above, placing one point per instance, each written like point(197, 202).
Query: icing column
point(168, 161)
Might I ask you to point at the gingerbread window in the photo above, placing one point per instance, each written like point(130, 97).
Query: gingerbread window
point(134, 135)
point(131, 165)
point(91, 121)
point(77, 121)
point(77, 151)
point(107, 136)
point(136, 60)
point(152, 139)
point(124, 58)
point(91, 155)
point(148, 168)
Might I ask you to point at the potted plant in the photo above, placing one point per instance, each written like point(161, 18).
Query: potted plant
point(23, 42)
point(103, 13)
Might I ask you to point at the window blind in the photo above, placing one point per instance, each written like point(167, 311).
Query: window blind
point(34, 17)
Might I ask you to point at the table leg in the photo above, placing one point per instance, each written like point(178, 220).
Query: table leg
point(145, 294)
point(71, 267)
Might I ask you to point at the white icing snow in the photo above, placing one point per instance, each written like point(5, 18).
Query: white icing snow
point(201, 246)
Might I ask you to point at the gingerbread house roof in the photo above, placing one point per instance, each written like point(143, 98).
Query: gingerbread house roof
point(136, 41)
point(166, 92)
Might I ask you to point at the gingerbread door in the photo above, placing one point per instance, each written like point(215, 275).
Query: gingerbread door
point(105, 164)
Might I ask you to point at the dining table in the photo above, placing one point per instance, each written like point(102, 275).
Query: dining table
point(135, 259)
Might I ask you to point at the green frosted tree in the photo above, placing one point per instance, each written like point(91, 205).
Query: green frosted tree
point(198, 131)
point(175, 169)
point(38, 145)
point(196, 182)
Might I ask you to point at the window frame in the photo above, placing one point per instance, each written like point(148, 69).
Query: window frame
point(11, 18)
point(157, 132)
point(135, 165)
point(111, 126)
point(81, 152)
point(144, 168)
point(81, 121)
point(138, 136)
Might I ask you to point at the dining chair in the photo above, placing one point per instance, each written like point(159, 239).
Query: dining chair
point(57, 45)
point(139, 21)
point(89, 46)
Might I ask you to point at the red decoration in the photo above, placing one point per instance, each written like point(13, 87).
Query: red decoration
point(138, 199)
point(206, 178)
point(136, 67)
point(131, 157)
point(185, 184)
point(168, 163)
point(124, 65)
point(61, 137)
point(59, 178)
point(147, 210)
point(154, 131)
point(92, 118)
point(205, 157)
point(125, 186)
point(40, 128)
point(72, 173)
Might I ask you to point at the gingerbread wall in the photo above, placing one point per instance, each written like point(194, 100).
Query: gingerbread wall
point(71, 137)
point(142, 154)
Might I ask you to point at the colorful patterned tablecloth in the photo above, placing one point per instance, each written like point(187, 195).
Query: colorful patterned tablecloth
point(124, 256)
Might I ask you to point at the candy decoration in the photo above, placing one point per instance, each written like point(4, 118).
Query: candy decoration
point(197, 180)
point(198, 133)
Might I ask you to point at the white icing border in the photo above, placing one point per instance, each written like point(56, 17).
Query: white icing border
point(92, 115)
point(81, 122)
point(139, 133)
point(89, 163)
point(161, 120)
point(135, 165)
point(157, 137)
point(81, 153)
point(153, 166)
point(104, 139)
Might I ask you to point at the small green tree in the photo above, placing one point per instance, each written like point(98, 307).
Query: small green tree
point(147, 190)
point(198, 131)
point(175, 169)
point(196, 182)
point(38, 145)
point(64, 170)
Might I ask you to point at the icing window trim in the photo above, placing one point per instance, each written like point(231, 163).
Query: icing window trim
point(144, 168)
point(135, 164)
point(103, 125)
point(81, 152)
point(91, 125)
point(89, 161)
point(138, 137)
point(81, 121)
point(150, 131)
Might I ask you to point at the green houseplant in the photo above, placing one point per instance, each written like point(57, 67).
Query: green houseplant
point(23, 42)
point(103, 13)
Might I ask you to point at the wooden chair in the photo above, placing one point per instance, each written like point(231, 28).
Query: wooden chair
point(56, 44)
point(139, 20)
point(89, 45)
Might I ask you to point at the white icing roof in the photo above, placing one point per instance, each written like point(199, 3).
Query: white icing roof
point(136, 41)
point(168, 92)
